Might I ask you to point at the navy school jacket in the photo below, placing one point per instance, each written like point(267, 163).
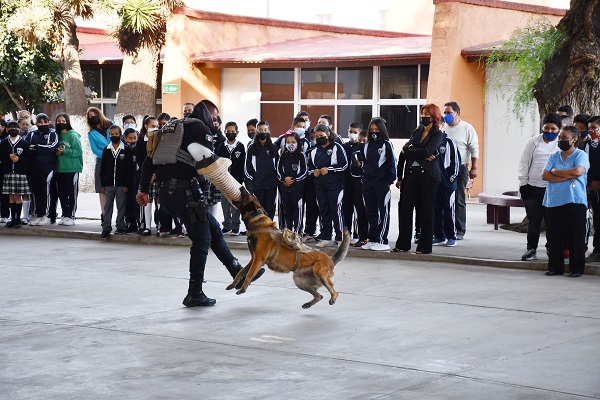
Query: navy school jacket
point(380, 162)
point(332, 157)
point(21, 149)
point(293, 165)
point(261, 168)
point(43, 152)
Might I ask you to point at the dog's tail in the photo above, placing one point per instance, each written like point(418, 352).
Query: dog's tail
point(342, 250)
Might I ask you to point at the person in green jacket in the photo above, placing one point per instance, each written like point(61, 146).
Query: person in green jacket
point(69, 164)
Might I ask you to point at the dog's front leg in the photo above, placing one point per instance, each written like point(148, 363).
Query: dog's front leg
point(239, 276)
point(257, 263)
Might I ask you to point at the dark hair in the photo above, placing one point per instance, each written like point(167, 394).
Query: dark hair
point(146, 120)
point(356, 125)
point(117, 127)
point(163, 117)
point(41, 116)
point(435, 113)
point(128, 131)
point(573, 130)
point(252, 122)
point(297, 120)
point(328, 118)
point(12, 124)
point(67, 120)
point(595, 118)
point(263, 122)
point(2, 122)
point(322, 128)
point(298, 140)
point(128, 116)
point(582, 118)
point(362, 133)
point(188, 104)
point(552, 118)
point(303, 114)
point(231, 123)
point(566, 109)
point(453, 104)
point(380, 124)
point(254, 150)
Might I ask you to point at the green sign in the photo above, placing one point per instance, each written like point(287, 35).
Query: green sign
point(172, 88)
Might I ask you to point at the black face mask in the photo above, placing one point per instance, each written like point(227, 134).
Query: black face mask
point(263, 135)
point(564, 145)
point(95, 120)
point(425, 121)
point(61, 127)
point(115, 139)
point(13, 132)
point(251, 135)
point(321, 140)
point(43, 128)
point(374, 135)
point(231, 136)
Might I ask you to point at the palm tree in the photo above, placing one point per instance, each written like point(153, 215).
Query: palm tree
point(141, 35)
point(54, 22)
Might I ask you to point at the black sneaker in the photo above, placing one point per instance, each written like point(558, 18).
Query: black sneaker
point(235, 232)
point(198, 299)
point(105, 233)
point(145, 232)
point(120, 232)
point(530, 254)
point(9, 224)
point(226, 231)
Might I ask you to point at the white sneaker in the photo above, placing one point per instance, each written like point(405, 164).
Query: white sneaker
point(3, 220)
point(43, 221)
point(67, 221)
point(354, 241)
point(325, 243)
point(33, 221)
point(380, 247)
point(368, 245)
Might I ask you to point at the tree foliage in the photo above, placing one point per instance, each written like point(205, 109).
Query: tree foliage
point(29, 75)
point(526, 52)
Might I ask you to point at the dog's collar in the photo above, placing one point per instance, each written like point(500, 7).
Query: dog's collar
point(254, 214)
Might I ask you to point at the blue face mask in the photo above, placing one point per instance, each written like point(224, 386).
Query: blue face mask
point(549, 135)
point(449, 118)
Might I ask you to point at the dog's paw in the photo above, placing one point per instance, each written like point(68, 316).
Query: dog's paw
point(306, 305)
point(230, 287)
point(241, 291)
point(331, 301)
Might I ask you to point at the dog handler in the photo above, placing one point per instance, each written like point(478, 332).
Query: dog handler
point(175, 160)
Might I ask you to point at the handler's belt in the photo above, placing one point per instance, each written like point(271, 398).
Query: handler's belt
point(174, 183)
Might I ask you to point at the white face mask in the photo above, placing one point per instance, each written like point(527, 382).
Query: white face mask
point(129, 125)
point(300, 132)
point(353, 137)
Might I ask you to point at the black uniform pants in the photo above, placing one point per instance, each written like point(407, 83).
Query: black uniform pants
point(40, 179)
point(418, 191)
point(532, 198)
point(355, 214)
point(203, 232)
point(377, 204)
point(266, 198)
point(293, 208)
point(443, 225)
point(329, 200)
point(67, 184)
point(594, 201)
point(566, 221)
point(312, 208)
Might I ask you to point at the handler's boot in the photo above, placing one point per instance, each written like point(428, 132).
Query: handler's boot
point(196, 297)
point(236, 267)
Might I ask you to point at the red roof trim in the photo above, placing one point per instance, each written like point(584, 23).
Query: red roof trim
point(93, 31)
point(211, 16)
point(531, 8)
point(329, 60)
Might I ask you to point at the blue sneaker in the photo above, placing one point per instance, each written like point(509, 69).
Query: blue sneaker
point(451, 243)
point(437, 241)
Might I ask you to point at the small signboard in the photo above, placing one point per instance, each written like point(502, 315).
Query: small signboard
point(172, 88)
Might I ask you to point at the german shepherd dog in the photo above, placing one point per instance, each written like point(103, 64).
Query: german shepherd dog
point(311, 269)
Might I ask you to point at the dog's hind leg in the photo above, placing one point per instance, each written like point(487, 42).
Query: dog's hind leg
point(311, 287)
point(325, 277)
point(243, 272)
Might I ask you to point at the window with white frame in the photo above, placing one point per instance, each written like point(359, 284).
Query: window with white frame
point(347, 94)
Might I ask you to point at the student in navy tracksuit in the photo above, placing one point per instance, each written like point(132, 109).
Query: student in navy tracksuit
point(444, 227)
point(298, 127)
point(43, 143)
point(261, 162)
point(327, 162)
point(353, 198)
point(236, 152)
point(379, 172)
point(291, 172)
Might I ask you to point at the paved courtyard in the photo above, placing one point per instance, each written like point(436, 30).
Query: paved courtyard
point(84, 319)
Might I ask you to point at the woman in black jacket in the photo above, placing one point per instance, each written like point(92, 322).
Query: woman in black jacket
point(291, 172)
point(418, 177)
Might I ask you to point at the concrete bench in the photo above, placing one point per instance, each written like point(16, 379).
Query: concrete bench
point(498, 206)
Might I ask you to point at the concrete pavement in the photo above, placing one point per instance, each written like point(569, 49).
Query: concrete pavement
point(482, 245)
point(104, 320)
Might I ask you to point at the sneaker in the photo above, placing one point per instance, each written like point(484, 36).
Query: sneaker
point(9, 224)
point(180, 235)
point(132, 228)
point(43, 221)
point(437, 241)
point(163, 234)
point(33, 221)
point(380, 247)
point(368, 245)
point(325, 243)
point(530, 254)
point(67, 221)
point(243, 233)
point(353, 241)
point(460, 237)
point(24, 221)
point(360, 243)
point(17, 225)
point(145, 232)
point(226, 231)
point(310, 239)
point(105, 233)
point(451, 243)
point(120, 232)
point(235, 232)
point(3, 220)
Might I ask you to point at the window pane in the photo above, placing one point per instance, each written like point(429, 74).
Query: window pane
point(109, 111)
point(424, 80)
point(317, 84)
point(91, 81)
point(401, 121)
point(110, 82)
point(279, 116)
point(355, 83)
point(349, 114)
point(316, 111)
point(399, 82)
point(277, 84)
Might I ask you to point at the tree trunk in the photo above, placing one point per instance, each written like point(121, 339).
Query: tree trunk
point(76, 102)
point(137, 89)
point(572, 75)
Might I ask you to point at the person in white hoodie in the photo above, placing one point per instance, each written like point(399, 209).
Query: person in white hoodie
point(531, 185)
